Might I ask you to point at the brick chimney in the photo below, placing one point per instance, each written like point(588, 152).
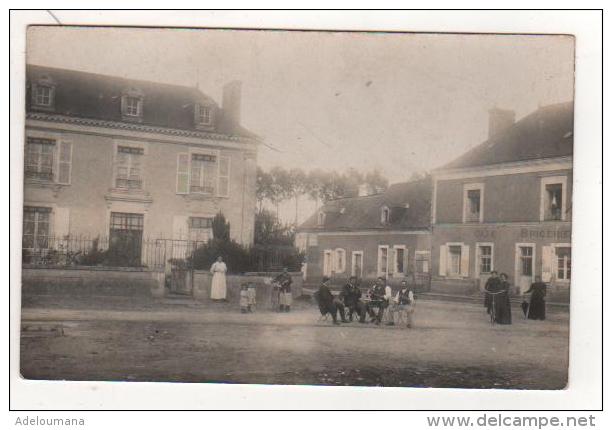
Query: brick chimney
point(500, 120)
point(232, 101)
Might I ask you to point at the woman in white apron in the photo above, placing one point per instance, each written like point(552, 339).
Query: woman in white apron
point(218, 289)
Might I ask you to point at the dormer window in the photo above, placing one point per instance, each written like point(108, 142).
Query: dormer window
point(321, 219)
point(132, 104)
point(384, 215)
point(204, 115)
point(43, 93)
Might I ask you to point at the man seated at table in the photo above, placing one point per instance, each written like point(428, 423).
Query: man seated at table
point(377, 300)
point(328, 303)
point(351, 296)
point(404, 302)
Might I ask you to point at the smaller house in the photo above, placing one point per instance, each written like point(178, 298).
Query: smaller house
point(385, 234)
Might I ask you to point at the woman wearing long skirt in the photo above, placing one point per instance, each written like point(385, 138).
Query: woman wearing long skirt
point(537, 304)
point(503, 311)
point(218, 289)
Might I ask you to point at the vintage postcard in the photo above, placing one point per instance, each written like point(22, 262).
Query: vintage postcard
point(299, 208)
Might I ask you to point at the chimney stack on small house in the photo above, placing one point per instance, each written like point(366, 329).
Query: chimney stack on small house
point(500, 120)
point(231, 102)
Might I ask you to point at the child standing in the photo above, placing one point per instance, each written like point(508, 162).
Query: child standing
point(244, 299)
point(251, 297)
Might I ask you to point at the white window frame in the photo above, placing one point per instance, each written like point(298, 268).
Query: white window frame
point(470, 187)
point(384, 219)
point(129, 144)
point(428, 259)
point(128, 108)
point(354, 254)
point(200, 109)
point(339, 268)
point(477, 271)
point(396, 273)
point(556, 262)
point(550, 180)
point(47, 83)
point(61, 143)
point(54, 156)
point(192, 232)
point(448, 259)
point(38, 97)
point(378, 261)
point(216, 154)
point(517, 260)
point(50, 228)
point(328, 265)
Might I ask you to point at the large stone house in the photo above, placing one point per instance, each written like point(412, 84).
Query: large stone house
point(385, 234)
point(506, 205)
point(127, 159)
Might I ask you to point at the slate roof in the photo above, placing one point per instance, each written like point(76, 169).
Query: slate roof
point(545, 133)
point(364, 213)
point(95, 96)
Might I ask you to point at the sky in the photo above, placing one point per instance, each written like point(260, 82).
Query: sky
point(400, 103)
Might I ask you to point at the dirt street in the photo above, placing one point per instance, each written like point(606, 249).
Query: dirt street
point(451, 345)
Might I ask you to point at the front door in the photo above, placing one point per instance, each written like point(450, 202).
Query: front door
point(525, 255)
point(125, 239)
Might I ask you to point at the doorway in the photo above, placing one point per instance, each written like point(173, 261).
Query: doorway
point(524, 266)
point(125, 239)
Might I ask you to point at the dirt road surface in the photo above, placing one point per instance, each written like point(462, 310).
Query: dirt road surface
point(451, 345)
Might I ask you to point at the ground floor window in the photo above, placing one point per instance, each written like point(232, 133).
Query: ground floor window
point(454, 260)
point(357, 264)
point(327, 262)
point(383, 260)
point(485, 259)
point(399, 263)
point(564, 263)
point(125, 238)
point(526, 260)
point(36, 221)
point(421, 261)
point(200, 229)
point(339, 260)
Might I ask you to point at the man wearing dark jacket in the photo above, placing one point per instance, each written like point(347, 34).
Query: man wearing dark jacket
point(351, 296)
point(284, 282)
point(328, 303)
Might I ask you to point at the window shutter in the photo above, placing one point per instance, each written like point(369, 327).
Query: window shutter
point(547, 263)
point(61, 223)
point(182, 173)
point(465, 261)
point(64, 162)
point(224, 176)
point(442, 263)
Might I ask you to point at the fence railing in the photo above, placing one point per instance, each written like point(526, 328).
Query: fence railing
point(133, 251)
point(107, 251)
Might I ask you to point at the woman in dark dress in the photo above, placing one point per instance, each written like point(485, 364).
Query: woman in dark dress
point(537, 304)
point(503, 312)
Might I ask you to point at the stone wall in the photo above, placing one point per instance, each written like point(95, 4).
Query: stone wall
point(90, 281)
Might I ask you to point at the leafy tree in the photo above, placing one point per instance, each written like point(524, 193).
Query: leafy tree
point(264, 188)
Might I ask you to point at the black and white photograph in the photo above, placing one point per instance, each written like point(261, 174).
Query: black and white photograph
point(297, 208)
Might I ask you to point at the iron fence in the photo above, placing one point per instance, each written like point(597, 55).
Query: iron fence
point(133, 251)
